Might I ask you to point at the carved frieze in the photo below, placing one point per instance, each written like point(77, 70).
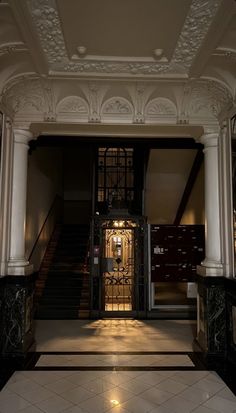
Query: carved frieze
point(72, 108)
point(35, 98)
point(140, 99)
point(159, 107)
point(117, 109)
point(72, 104)
point(94, 102)
point(117, 106)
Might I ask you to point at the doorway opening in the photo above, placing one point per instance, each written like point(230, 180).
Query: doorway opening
point(118, 274)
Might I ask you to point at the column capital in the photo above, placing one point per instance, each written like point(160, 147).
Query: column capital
point(8, 123)
point(22, 135)
point(210, 139)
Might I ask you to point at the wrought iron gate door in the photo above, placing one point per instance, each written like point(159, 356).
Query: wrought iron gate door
point(118, 269)
point(119, 275)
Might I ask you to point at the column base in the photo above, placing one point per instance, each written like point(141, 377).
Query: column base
point(206, 270)
point(211, 317)
point(19, 267)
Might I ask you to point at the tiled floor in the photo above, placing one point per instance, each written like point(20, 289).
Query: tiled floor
point(91, 379)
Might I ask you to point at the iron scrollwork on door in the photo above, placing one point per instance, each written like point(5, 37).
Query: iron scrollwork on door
point(118, 276)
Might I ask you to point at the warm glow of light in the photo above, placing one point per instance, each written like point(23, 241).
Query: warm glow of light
point(114, 402)
point(118, 224)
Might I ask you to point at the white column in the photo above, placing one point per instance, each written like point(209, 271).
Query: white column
point(18, 265)
point(212, 264)
point(5, 192)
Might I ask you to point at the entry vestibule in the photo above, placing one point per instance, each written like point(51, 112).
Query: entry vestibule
point(138, 296)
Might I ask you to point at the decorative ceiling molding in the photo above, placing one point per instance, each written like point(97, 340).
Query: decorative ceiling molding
point(208, 98)
point(195, 28)
point(228, 54)
point(10, 48)
point(29, 95)
point(26, 95)
point(47, 22)
point(46, 19)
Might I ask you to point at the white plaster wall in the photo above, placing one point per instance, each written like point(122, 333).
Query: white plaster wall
point(45, 181)
point(77, 173)
point(195, 209)
point(167, 173)
point(77, 184)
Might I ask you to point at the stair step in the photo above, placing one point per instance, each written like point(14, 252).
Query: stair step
point(63, 288)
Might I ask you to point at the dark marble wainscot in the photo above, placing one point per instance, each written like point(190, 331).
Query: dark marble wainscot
point(211, 335)
point(17, 334)
point(230, 285)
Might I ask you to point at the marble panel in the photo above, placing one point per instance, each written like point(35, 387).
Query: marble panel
point(17, 316)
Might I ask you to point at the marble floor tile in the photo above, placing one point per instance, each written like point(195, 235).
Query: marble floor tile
point(177, 404)
point(12, 404)
point(75, 409)
point(195, 395)
point(38, 395)
point(77, 395)
point(60, 386)
point(221, 404)
point(98, 386)
point(119, 394)
point(156, 396)
point(189, 377)
point(226, 393)
point(98, 403)
point(138, 405)
point(31, 409)
point(135, 386)
point(55, 404)
point(202, 409)
point(171, 386)
point(153, 377)
point(209, 385)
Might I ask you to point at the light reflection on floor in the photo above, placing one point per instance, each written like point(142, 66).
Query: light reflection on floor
point(115, 335)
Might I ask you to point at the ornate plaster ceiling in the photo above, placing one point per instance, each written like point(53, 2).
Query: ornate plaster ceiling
point(111, 61)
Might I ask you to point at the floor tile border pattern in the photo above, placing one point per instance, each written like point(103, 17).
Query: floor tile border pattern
point(197, 364)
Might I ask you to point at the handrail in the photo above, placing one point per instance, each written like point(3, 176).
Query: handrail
point(55, 204)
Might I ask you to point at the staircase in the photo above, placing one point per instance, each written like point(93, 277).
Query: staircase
point(62, 288)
